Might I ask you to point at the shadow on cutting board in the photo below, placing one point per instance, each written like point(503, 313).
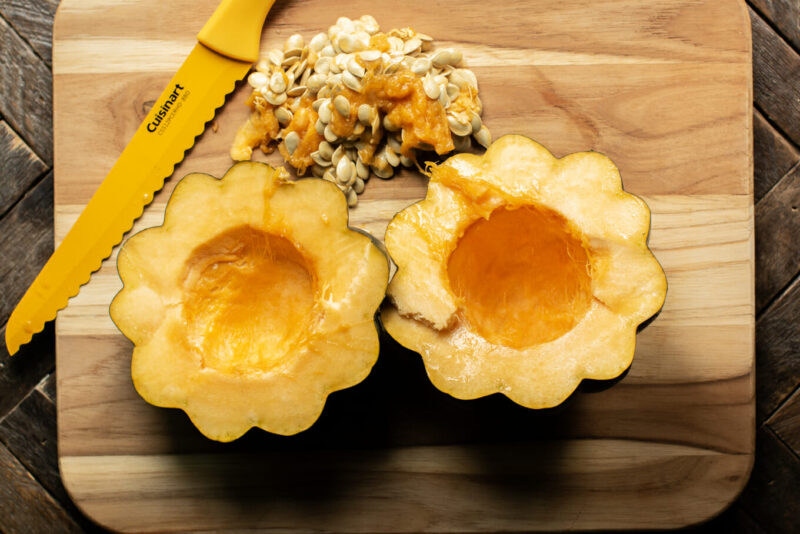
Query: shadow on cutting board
point(363, 429)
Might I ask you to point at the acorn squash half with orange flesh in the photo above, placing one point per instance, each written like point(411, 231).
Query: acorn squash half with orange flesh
point(251, 303)
point(522, 274)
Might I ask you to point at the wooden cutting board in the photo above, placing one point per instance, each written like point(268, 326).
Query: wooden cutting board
point(662, 87)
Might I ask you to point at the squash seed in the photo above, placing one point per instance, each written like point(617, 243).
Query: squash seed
point(370, 55)
point(342, 105)
point(319, 160)
point(461, 143)
point(345, 170)
point(412, 45)
point(318, 42)
point(294, 41)
point(290, 60)
point(329, 135)
point(393, 142)
point(452, 91)
point(257, 80)
point(349, 43)
point(358, 186)
point(319, 126)
point(276, 57)
point(483, 137)
point(391, 157)
point(352, 199)
point(384, 174)
point(356, 68)
point(304, 78)
point(395, 44)
point(292, 140)
point(468, 76)
point(446, 56)
point(315, 82)
point(351, 81)
point(365, 113)
point(325, 111)
point(444, 98)
point(431, 88)
point(263, 65)
point(275, 100)
point(405, 161)
point(325, 150)
point(389, 124)
point(337, 154)
point(421, 66)
point(283, 115)
point(362, 171)
point(457, 126)
point(475, 122)
point(322, 66)
point(277, 82)
point(370, 24)
point(317, 171)
point(298, 68)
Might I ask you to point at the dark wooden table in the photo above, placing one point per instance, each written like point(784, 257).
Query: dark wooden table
point(32, 498)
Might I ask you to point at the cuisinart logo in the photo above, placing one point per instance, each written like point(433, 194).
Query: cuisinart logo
point(167, 110)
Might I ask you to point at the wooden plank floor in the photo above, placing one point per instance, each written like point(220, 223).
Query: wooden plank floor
point(32, 498)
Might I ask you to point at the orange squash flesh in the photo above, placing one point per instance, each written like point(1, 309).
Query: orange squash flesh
point(247, 292)
point(522, 275)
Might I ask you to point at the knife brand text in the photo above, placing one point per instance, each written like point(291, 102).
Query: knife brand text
point(152, 126)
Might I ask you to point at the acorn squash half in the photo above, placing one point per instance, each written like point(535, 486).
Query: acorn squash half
point(522, 274)
point(251, 303)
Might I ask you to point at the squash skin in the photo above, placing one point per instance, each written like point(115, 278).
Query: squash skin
point(337, 350)
point(628, 284)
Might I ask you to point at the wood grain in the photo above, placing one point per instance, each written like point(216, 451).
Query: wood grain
point(776, 67)
point(19, 168)
point(669, 445)
point(26, 241)
point(773, 496)
point(785, 422)
point(34, 22)
point(775, 156)
point(777, 361)
point(24, 506)
point(777, 254)
point(785, 15)
point(29, 432)
point(26, 106)
point(48, 387)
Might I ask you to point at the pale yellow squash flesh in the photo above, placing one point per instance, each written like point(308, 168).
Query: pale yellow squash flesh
point(522, 274)
point(251, 303)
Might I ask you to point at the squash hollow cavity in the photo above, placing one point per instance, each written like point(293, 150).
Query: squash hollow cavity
point(248, 297)
point(522, 276)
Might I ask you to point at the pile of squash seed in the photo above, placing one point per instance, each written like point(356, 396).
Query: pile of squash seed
point(335, 59)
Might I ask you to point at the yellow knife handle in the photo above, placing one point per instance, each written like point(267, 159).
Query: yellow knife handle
point(234, 30)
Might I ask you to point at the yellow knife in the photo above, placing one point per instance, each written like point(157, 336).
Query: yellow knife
point(227, 46)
